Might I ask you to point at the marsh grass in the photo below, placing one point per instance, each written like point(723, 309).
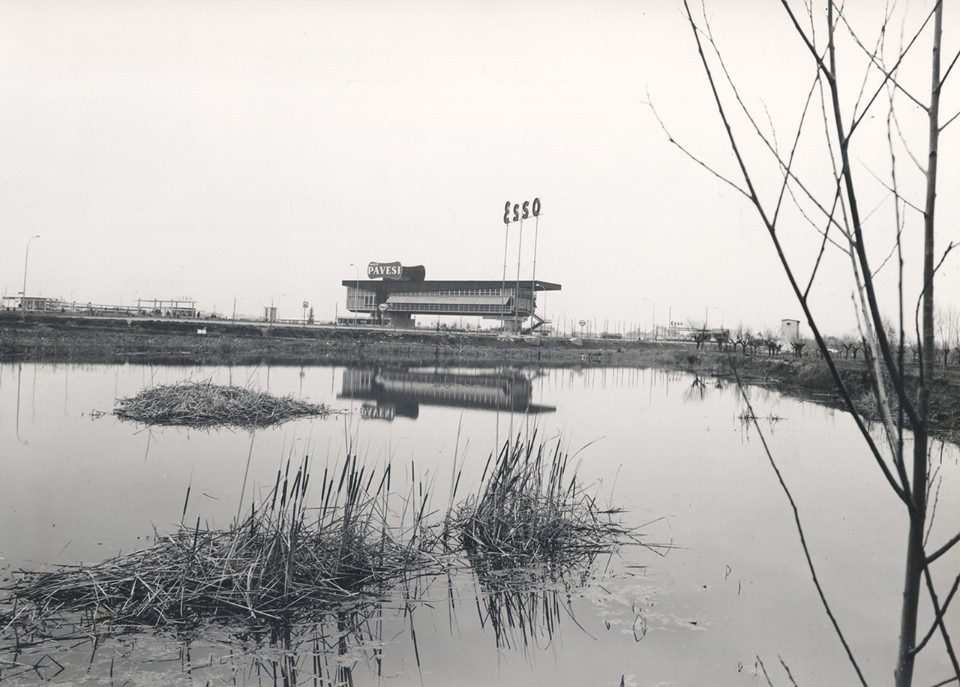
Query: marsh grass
point(283, 561)
point(529, 534)
point(205, 404)
point(531, 511)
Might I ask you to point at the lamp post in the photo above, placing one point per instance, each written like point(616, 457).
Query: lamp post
point(653, 317)
point(26, 258)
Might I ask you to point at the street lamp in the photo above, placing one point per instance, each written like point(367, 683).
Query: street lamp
point(26, 257)
point(653, 317)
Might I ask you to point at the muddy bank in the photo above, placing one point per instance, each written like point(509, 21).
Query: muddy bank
point(85, 339)
point(59, 338)
point(810, 379)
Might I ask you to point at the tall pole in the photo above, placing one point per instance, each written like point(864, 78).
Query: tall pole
point(26, 258)
point(533, 278)
point(516, 297)
point(503, 281)
point(653, 316)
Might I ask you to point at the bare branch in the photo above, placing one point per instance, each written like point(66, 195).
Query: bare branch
point(771, 230)
point(823, 246)
point(938, 615)
point(858, 244)
point(890, 75)
point(786, 166)
point(693, 157)
point(943, 549)
point(949, 69)
point(896, 194)
point(927, 286)
point(950, 121)
point(906, 146)
point(799, 527)
point(887, 75)
point(943, 611)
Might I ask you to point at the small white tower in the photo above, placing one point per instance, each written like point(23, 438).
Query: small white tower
point(790, 331)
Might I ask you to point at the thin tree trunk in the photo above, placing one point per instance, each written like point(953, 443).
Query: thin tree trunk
point(915, 561)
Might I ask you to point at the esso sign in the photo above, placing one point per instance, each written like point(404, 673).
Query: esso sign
point(520, 211)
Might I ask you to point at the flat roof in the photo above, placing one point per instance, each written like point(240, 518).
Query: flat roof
point(437, 285)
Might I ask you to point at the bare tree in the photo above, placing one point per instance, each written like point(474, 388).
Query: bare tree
point(832, 200)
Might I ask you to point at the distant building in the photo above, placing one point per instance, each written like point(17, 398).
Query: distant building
point(181, 308)
point(41, 303)
point(790, 331)
point(394, 300)
point(175, 307)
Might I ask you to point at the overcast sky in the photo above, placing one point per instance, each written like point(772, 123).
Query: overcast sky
point(254, 150)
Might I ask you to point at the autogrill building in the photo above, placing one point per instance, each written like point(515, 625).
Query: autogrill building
point(396, 299)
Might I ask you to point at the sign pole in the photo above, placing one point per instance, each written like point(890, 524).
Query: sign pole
point(503, 282)
point(533, 279)
point(516, 295)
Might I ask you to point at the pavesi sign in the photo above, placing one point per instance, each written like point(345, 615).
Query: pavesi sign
point(384, 270)
point(395, 271)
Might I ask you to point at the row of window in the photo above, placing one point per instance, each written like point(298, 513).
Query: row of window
point(367, 300)
point(458, 308)
point(460, 292)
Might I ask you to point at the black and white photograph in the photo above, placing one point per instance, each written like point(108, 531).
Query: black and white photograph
point(430, 344)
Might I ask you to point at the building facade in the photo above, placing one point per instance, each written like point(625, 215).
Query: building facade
point(395, 302)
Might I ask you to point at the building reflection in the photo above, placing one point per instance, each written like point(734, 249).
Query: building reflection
point(399, 392)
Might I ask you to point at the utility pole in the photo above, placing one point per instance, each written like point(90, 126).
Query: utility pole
point(23, 296)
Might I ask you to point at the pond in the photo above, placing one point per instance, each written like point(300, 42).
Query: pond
point(723, 595)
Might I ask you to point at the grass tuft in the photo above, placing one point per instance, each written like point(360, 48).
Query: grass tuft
point(282, 562)
point(204, 404)
point(531, 511)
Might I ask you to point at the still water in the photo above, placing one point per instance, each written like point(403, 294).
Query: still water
point(729, 600)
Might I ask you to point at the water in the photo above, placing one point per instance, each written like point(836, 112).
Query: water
point(732, 591)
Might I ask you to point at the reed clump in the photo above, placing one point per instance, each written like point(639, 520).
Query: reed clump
point(531, 512)
point(205, 404)
point(282, 562)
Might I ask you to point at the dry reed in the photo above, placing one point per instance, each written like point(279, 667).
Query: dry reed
point(532, 512)
point(282, 562)
point(204, 404)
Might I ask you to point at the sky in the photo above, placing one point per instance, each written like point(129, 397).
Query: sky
point(250, 153)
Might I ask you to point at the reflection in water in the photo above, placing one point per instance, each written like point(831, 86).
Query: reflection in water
point(325, 650)
point(734, 588)
point(697, 389)
point(399, 392)
point(522, 610)
point(19, 377)
point(523, 607)
point(291, 596)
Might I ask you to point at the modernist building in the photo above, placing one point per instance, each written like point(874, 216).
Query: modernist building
point(395, 300)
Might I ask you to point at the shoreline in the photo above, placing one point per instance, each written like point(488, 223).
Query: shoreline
point(73, 339)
